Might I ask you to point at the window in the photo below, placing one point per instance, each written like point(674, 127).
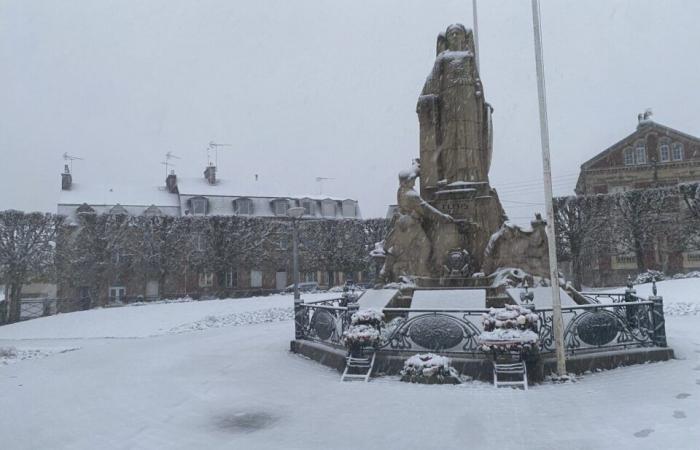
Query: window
point(349, 208)
point(200, 242)
point(117, 293)
point(206, 279)
point(280, 207)
point(629, 157)
point(255, 278)
point(243, 206)
point(677, 151)
point(664, 153)
point(309, 207)
point(626, 259)
point(284, 242)
point(328, 208)
point(640, 154)
point(308, 277)
point(199, 206)
point(118, 210)
point(152, 211)
point(231, 279)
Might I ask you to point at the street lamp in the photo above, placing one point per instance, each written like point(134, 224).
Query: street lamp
point(295, 213)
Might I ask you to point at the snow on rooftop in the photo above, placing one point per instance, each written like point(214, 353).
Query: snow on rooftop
point(243, 187)
point(113, 194)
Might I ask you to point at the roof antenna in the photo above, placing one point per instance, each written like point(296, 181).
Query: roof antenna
point(67, 157)
point(167, 163)
point(320, 181)
point(215, 146)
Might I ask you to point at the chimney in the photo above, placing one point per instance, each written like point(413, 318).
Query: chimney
point(210, 174)
point(171, 182)
point(66, 179)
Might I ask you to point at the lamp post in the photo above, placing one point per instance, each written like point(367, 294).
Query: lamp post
point(295, 213)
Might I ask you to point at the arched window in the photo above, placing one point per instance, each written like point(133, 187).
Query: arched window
point(243, 207)
point(640, 153)
point(85, 209)
point(677, 151)
point(152, 211)
point(118, 210)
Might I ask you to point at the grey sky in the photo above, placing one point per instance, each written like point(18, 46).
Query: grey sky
point(321, 88)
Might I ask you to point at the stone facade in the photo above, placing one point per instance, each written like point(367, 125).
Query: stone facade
point(653, 155)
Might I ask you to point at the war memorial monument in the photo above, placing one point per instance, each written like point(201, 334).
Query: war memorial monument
point(457, 278)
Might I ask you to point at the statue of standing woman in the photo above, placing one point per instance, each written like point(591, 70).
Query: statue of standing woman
point(455, 120)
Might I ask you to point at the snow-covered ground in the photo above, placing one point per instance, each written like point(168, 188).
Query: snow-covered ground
point(681, 297)
point(134, 380)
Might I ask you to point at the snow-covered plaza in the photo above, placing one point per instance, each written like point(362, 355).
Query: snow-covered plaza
point(219, 374)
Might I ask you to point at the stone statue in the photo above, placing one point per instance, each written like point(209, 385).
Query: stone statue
point(513, 247)
point(455, 120)
point(440, 235)
point(408, 247)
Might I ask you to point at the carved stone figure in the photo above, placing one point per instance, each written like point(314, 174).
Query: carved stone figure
point(408, 247)
point(455, 120)
point(514, 247)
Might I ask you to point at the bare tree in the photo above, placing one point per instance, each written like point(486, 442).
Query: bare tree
point(27, 242)
point(578, 223)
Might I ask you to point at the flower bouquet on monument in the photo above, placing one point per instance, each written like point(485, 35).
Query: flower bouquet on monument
point(511, 330)
point(364, 332)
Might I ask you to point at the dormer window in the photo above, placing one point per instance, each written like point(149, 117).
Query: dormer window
point(85, 209)
point(152, 211)
point(664, 153)
point(280, 206)
point(328, 208)
point(349, 209)
point(243, 207)
point(309, 206)
point(678, 151)
point(198, 206)
point(118, 210)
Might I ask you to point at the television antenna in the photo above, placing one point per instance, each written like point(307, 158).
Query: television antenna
point(320, 181)
point(167, 163)
point(71, 158)
point(215, 146)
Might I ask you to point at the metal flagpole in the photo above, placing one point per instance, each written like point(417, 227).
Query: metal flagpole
point(547, 171)
point(476, 35)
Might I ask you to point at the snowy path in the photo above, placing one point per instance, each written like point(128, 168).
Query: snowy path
point(238, 387)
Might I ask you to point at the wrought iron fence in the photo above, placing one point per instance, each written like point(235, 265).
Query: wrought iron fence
point(597, 327)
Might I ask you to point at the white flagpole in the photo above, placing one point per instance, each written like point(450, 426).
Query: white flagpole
point(547, 171)
point(476, 35)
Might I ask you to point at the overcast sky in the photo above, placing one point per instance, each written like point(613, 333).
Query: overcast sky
point(322, 88)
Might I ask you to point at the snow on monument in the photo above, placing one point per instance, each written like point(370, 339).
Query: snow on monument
point(442, 234)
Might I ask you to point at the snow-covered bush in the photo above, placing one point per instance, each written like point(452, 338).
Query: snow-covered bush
point(8, 352)
point(511, 328)
point(368, 317)
point(429, 369)
point(649, 276)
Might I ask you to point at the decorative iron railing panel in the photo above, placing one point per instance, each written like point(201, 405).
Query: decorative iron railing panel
point(443, 331)
point(321, 323)
point(600, 327)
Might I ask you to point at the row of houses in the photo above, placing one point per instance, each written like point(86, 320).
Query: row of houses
point(209, 195)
